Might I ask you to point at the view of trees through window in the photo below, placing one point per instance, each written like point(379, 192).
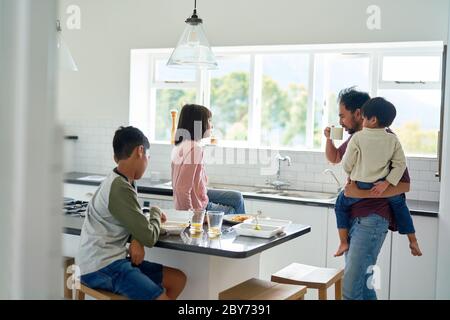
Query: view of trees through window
point(167, 100)
point(230, 98)
point(284, 103)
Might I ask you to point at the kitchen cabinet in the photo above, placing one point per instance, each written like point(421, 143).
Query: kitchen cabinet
point(382, 282)
point(163, 202)
point(415, 277)
point(309, 249)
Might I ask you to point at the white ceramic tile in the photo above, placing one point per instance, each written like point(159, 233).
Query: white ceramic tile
point(427, 176)
point(417, 185)
point(421, 165)
point(434, 186)
point(428, 196)
point(310, 186)
point(413, 195)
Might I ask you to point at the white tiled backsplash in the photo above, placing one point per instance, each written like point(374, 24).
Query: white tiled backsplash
point(93, 154)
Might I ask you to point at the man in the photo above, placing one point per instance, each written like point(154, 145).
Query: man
point(371, 217)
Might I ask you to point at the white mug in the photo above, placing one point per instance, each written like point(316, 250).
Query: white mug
point(336, 133)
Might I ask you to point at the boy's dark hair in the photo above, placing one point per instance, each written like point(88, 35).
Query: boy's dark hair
point(126, 139)
point(352, 99)
point(381, 109)
point(189, 115)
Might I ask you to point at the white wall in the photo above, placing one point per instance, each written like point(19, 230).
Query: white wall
point(30, 165)
point(443, 263)
point(110, 28)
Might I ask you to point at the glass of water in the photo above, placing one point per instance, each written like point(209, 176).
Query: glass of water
point(214, 219)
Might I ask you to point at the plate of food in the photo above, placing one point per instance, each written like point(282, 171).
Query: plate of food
point(237, 218)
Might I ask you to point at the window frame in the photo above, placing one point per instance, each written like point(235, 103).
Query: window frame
point(202, 84)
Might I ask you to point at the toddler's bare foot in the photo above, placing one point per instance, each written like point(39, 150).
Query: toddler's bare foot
point(415, 250)
point(343, 247)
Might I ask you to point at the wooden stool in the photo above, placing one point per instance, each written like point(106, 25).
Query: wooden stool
point(97, 294)
point(312, 277)
point(67, 262)
point(256, 289)
point(80, 293)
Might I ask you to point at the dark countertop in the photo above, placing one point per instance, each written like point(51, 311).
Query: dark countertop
point(163, 187)
point(229, 244)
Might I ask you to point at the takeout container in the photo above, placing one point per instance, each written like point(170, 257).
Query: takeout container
point(264, 231)
point(269, 222)
point(174, 227)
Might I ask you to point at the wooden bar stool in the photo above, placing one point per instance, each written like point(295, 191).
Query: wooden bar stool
point(312, 277)
point(80, 293)
point(256, 289)
point(97, 294)
point(67, 262)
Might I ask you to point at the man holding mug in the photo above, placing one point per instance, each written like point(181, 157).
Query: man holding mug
point(372, 216)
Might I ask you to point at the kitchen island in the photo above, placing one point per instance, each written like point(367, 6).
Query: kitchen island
point(211, 264)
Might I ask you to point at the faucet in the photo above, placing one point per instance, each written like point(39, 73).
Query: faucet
point(279, 183)
point(331, 172)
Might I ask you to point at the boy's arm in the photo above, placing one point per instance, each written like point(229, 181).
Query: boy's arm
point(124, 206)
point(398, 164)
point(350, 156)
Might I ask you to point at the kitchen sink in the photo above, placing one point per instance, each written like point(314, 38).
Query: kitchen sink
point(268, 191)
point(260, 190)
point(232, 187)
point(308, 194)
point(298, 194)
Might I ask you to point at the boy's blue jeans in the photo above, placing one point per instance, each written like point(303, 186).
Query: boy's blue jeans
point(228, 201)
point(397, 204)
point(143, 282)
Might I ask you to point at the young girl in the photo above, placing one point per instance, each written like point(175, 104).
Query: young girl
point(189, 178)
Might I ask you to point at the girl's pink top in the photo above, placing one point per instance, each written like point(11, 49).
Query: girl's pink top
point(189, 179)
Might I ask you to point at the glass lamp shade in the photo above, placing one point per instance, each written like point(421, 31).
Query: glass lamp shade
point(66, 60)
point(193, 50)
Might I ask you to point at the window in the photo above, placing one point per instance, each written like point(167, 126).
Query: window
point(337, 71)
point(167, 100)
point(412, 84)
point(411, 68)
point(284, 99)
point(418, 118)
point(284, 96)
point(230, 98)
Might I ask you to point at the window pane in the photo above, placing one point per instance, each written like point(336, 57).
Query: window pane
point(164, 73)
point(335, 72)
point(418, 118)
point(284, 99)
point(411, 68)
point(230, 98)
point(166, 100)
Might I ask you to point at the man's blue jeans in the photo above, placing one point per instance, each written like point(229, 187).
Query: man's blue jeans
point(366, 238)
point(228, 201)
point(397, 203)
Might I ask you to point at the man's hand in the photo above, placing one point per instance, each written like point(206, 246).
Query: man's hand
point(351, 189)
point(137, 252)
point(327, 132)
point(379, 188)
